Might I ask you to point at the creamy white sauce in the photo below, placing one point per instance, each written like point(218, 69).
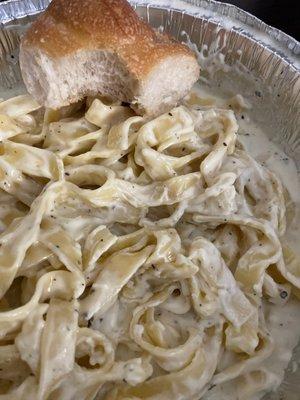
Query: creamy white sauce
point(260, 146)
point(284, 326)
point(263, 149)
point(283, 322)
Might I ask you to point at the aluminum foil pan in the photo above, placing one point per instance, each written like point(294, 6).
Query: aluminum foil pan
point(237, 52)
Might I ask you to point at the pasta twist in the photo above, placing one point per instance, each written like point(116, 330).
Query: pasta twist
point(137, 257)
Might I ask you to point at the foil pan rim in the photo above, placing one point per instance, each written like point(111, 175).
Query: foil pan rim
point(280, 43)
point(283, 45)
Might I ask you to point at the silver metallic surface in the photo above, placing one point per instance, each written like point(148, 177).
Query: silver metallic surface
point(261, 63)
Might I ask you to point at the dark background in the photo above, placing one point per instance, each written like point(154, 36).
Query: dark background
point(283, 14)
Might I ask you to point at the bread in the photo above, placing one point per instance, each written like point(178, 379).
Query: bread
point(88, 47)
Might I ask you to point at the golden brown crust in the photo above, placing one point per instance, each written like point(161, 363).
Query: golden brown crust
point(68, 26)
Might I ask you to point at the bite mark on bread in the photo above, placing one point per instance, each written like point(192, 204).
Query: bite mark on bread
point(89, 47)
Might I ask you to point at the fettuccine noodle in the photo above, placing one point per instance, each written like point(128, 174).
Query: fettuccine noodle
point(135, 255)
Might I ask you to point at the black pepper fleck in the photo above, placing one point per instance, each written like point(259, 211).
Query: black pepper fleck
point(176, 292)
point(283, 294)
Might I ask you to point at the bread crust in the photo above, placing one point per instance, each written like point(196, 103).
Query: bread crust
point(69, 26)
